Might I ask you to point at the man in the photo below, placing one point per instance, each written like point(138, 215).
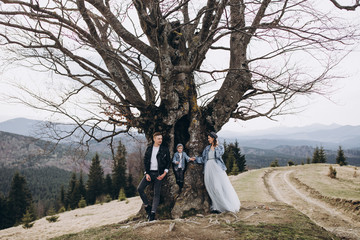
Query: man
point(157, 162)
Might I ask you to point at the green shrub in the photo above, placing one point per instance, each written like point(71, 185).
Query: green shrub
point(62, 209)
point(332, 172)
point(82, 203)
point(274, 163)
point(108, 198)
point(122, 195)
point(53, 218)
point(27, 220)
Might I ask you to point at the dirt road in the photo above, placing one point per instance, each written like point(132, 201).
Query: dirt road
point(282, 187)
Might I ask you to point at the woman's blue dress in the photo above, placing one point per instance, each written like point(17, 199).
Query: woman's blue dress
point(219, 187)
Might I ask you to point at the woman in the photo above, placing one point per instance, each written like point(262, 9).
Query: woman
point(217, 183)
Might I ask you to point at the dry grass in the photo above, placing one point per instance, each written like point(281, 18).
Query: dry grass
point(76, 220)
point(250, 186)
point(94, 222)
point(344, 186)
point(255, 221)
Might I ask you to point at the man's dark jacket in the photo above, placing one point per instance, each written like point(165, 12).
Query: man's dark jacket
point(163, 159)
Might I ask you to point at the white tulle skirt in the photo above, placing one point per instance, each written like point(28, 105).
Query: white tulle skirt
point(221, 192)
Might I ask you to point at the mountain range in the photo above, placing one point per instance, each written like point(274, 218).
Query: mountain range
point(260, 147)
point(328, 136)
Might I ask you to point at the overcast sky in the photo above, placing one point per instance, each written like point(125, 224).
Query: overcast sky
point(342, 106)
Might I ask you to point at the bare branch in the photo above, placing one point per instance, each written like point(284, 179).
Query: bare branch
point(348, 8)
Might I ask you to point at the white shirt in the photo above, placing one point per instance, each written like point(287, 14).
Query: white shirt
point(153, 161)
point(180, 161)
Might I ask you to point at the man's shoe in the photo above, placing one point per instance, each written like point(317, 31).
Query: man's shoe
point(152, 217)
point(148, 210)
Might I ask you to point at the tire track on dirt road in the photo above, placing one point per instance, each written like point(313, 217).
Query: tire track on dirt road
point(281, 188)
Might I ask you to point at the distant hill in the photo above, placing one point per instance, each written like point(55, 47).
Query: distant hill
point(260, 158)
point(330, 137)
point(21, 126)
point(260, 147)
point(18, 151)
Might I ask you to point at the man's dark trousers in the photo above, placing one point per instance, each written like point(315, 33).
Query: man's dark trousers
point(157, 188)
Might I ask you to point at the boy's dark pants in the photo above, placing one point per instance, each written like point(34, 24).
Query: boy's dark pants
point(157, 187)
point(179, 174)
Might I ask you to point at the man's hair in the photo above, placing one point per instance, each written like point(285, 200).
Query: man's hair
point(157, 134)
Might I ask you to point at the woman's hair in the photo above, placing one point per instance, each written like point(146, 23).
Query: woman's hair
point(215, 141)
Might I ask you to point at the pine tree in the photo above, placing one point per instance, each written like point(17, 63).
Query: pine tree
point(119, 170)
point(231, 162)
point(308, 160)
point(316, 156)
point(82, 188)
point(108, 185)
point(95, 182)
point(122, 195)
point(19, 200)
point(322, 155)
point(240, 161)
point(235, 169)
point(4, 214)
point(340, 158)
point(130, 190)
point(27, 220)
point(240, 158)
point(82, 202)
point(73, 195)
point(62, 196)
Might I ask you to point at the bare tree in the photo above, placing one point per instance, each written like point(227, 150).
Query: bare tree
point(351, 7)
point(135, 164)
point(177, 66)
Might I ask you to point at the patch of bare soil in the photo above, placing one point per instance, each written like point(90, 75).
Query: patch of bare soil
point(283, 187)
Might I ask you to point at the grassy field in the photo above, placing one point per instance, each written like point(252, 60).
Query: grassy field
point(250, 186)
point(346, 185)
point(255, 221)
point(260, 216)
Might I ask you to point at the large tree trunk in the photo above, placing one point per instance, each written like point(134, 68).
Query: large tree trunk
point(193, 197)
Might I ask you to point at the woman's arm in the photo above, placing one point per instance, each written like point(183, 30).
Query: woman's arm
point(219, 150)
point(201, 159)
point(186, 157)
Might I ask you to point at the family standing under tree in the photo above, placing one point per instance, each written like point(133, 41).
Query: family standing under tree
point(157, 162)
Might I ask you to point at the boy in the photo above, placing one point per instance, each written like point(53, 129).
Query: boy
point(179, 164)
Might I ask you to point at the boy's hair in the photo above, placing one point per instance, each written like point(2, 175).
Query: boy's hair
point(157, 134)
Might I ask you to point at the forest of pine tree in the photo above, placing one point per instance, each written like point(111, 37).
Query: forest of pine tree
point(58, 189)
point(319, 155)
point(17, 203)
point(235, 162)
point(43, 183)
